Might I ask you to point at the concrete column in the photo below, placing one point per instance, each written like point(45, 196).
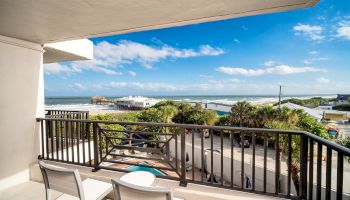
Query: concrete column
point(21, 101)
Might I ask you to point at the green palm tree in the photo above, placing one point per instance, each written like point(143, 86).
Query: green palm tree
point(242, 112)
point(167, 113)
point(209, 117)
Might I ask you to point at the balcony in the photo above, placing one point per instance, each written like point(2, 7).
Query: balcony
point(198, 162)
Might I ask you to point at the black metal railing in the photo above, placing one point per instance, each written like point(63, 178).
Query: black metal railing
point(272, 162)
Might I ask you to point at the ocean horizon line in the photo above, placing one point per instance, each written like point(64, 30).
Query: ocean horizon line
point(213, 95)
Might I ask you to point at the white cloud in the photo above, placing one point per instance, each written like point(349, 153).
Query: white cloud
point(108, 57)
point(307, 62)
point(344, 32)
point(207, 50)
point(232, 80)
point(314, 52)
point(78, 86)
point(210, 85)
point(56, 68)
point(311, 60)
point(126, 52)
point(148, 86)
point(309, 31)
point(205, 76)
point(270, 63)
point(280, 69)
point(132, 73)
point(323, 80)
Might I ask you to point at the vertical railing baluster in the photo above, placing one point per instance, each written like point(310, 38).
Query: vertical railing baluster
point(211, 156)
point(289, 178)
point(83, 140)
point(193, 166)
point(106, 145)
point(72, 140)
point(78, 140)
point(42, 138)
point(319, 171)
point(66, 139)
point(277, 165)
point(222, 158)
point(52, 133)
point(62, 145)
point(57, 133)
point(100, 143)
point(88, 132)
point(47, 133)
point(242, 160)
point(340, 173)
point(265, 161)
point(231, 134)
point(167, 151)
point(176, 157)
point(311, 169)
point(202, 155)
point(183, 181)
point(303, 166)
point(328, 173)
point(95, 140)
point(253, 162)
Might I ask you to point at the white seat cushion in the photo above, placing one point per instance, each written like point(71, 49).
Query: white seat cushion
point(67, 197)
point(93, 190)
point(175, 198)
point(96, 190)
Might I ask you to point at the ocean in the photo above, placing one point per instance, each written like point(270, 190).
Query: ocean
point(84, 103)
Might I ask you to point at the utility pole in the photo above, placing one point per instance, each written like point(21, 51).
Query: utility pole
point(279, 97)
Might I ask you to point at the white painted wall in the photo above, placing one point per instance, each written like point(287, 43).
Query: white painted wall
point(21, 101)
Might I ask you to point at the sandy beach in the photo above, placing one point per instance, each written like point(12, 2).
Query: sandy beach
point(101, 112)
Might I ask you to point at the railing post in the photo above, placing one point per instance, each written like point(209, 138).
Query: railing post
point(95, 138)
point(303, 167)
point(183, 181)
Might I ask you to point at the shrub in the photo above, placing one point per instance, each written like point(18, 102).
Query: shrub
point(343, 107)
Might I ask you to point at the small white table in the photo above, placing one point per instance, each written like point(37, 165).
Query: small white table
point(140, 178)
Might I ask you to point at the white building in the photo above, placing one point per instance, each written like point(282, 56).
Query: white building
point(135, 102)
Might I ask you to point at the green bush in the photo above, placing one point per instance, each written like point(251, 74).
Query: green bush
point(344, 142)
point(311, 103)
point(343, 107)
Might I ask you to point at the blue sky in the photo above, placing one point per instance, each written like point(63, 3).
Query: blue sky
point(307, 51)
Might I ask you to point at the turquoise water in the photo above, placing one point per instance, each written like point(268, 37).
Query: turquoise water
point(221, 113)
point(144, 168)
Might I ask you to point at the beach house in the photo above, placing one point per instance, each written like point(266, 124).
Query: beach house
point(34, 32)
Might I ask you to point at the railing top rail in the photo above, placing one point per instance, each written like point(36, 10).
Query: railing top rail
point(333, 145)
point(70, 111)
point(316, 138)
point(63, 114)
point(191, 126)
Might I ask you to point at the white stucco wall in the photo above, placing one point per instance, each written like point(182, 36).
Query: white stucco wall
point(21, 101)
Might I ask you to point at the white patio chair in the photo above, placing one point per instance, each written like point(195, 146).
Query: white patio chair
point(127, 191)
point(68, 182)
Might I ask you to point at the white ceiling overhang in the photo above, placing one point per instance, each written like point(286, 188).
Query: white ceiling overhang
point(68, 51)
point(48, 21)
